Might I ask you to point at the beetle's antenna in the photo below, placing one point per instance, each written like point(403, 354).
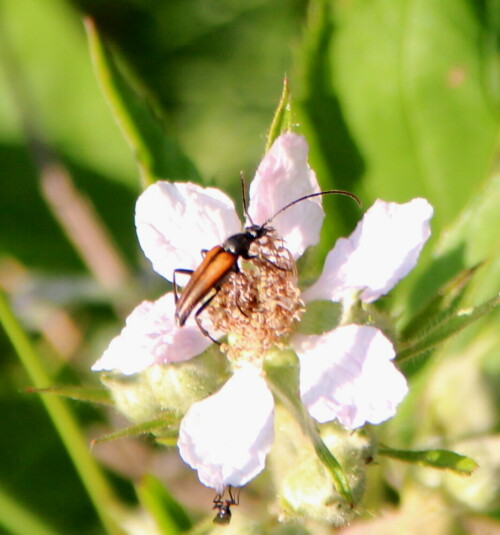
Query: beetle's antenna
point(244, 197)
point(327, 192)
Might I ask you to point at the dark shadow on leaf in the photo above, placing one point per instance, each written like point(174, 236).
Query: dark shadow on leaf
point(344, 165)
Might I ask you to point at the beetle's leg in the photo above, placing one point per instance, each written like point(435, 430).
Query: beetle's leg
point(239, 306)
point(264, 258)
point(204, 331)
point(198, 321)
point(241, 310)
point(274, 265)
point(183, 271)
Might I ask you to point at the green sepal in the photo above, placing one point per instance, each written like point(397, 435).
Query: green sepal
point(442, 459)
point(79, 393)
point(167, 421)
point(303, 484)
point(282, 377)
point(441, 327)
point(169, 516)
point(167, 441)
point(330, 462)
point(282, 120)
point(320, 317)
point(167, 388)
point(157, 156)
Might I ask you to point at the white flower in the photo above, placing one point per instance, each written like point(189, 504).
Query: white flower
point(227, 436)
point(150, 337)
point(176, 221)
point(382, 250)
point(346, 374)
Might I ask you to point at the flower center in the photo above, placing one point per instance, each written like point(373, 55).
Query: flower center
point(258, 306)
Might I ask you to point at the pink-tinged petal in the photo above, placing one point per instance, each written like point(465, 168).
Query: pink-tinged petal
point(382, 250)
point(176, 221)
point(347, 374)
point(227, 436)
point(150, 337)
point(282, 177)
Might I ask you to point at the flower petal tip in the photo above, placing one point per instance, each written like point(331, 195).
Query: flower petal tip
point(381, 251)
point(151, 336)
point(225, 437)
point(284, 176)
point(347, 374)
point(176, 221)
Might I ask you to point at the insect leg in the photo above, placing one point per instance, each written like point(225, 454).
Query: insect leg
point(184, 272)
point(265, 259)
point(238, 293)
point(275, 265)
point(223, 517)
point(234, 498)
point(218, 501)
point(198, 321)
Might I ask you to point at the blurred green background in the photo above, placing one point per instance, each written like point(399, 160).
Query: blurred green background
point(397, 99)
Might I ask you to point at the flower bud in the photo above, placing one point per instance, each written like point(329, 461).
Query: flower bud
point(305, 486)
point(174, 387)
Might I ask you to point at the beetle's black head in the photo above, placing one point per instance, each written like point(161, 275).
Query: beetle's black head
point(239, 244)
point(257, 231)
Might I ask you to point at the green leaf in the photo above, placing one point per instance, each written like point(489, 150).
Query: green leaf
point(87, 394)
point(473, 238)
point(283, 118)
point(388, 117)
point(442, 459)
point(56, 93)
point(157, 156)
point(333, 153)
point(470, 241)
point(444, 326)
point(447, 299)
point(168, 514)
point(424, 121)
point(136, 430)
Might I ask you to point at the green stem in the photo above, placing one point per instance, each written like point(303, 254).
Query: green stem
point(76, 445)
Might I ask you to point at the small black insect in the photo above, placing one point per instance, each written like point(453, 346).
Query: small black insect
point(223, 515)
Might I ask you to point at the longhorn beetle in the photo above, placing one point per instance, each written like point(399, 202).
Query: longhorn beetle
point(220, 261)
